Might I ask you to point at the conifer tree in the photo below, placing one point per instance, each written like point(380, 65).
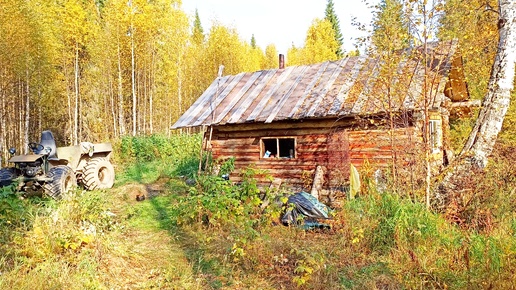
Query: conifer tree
point(331, 16)
point(198, 31)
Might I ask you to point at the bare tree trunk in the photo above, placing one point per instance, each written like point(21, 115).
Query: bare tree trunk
point(133, 81)
point(143, 112)
point(27, 109)
point(76, 87)
point(21, 109)
point(121, 118)
point(2, 124)
point(151, 96)
point(112, 103)
point(69, 99)
point(494, 107)
point(40, 122)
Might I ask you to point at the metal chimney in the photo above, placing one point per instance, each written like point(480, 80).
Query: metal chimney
point(281, 61)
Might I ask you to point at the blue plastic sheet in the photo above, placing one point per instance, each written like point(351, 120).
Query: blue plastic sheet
point(304, 209)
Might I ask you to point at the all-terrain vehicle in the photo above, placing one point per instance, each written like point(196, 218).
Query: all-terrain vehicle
point(57, 170)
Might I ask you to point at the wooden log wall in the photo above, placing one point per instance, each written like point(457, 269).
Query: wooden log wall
point(310, 152)
point(366, 149)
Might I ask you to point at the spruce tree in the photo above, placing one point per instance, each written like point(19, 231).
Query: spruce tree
point(331, 16)
point(198, 32)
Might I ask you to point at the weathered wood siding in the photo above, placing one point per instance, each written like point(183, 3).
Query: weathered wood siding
point(310, 152)
point(334, 148)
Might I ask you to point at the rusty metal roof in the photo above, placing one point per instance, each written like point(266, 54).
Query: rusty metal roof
point(353, 86)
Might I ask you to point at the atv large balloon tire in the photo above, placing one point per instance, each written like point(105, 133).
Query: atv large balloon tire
point(7, 175)
point(63, 181)
point(98, 174)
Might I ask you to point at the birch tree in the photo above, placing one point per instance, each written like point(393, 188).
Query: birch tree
point(320, 45)
point(474, 155)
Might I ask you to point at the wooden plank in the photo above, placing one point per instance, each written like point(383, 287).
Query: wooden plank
point(366, 92)
point(291, 124)
point(273, 90)
point(385, 92)
point(235, 117)
point(435, 61)
point(202, 120)
point(308, 90)
point(346, 88)
point(269, 133)
point(326, 88)
point(286, 96)
point(358, 87)
point(333, 92)
point(414, 87)
point(315, 93)
point(285, 86)
point(338, 155)
point(198, 106)
point(235, 142)
point(237, 97)
point(445, 72)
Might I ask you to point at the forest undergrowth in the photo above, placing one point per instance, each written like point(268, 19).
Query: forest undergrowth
point(212, 234)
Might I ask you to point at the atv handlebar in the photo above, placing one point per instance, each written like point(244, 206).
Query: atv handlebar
point(37, 148)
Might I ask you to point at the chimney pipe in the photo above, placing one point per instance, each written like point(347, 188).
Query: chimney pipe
point(281, 61)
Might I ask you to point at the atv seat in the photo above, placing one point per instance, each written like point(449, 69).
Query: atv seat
point(47, 140)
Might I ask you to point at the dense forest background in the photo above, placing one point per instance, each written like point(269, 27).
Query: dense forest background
point(99, 70)
point(124, 70)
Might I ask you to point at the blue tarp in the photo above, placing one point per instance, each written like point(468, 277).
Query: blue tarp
point(303, 209)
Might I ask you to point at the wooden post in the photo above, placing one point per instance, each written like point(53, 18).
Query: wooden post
point(318, 181)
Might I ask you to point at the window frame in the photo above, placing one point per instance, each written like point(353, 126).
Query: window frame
point(278, 148)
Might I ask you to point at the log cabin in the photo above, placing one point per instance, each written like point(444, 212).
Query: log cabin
point(372, 112)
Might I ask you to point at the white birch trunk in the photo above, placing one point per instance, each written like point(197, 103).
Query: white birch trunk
point(133, 82)
point(121, 118)
point(494, 106)
point(27, 110)
point(112, 105)
point(151, 96)
point(76, 90)
point(496, 101)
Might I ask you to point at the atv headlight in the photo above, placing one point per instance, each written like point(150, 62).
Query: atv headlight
point(30, 172)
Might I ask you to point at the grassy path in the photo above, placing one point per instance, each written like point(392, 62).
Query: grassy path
point(148, 253)
point(99, 240)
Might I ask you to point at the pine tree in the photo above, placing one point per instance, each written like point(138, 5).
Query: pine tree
point(253, 42)
point(331, 16)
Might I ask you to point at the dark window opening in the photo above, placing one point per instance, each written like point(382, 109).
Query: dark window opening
point(270, 147)
point(278, 148)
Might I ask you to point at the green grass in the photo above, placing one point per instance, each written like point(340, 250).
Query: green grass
point(215, 236)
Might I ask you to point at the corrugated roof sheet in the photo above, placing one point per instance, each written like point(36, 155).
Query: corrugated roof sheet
point(347, 87)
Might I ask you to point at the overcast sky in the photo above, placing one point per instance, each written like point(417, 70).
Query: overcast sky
point(278, 22)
